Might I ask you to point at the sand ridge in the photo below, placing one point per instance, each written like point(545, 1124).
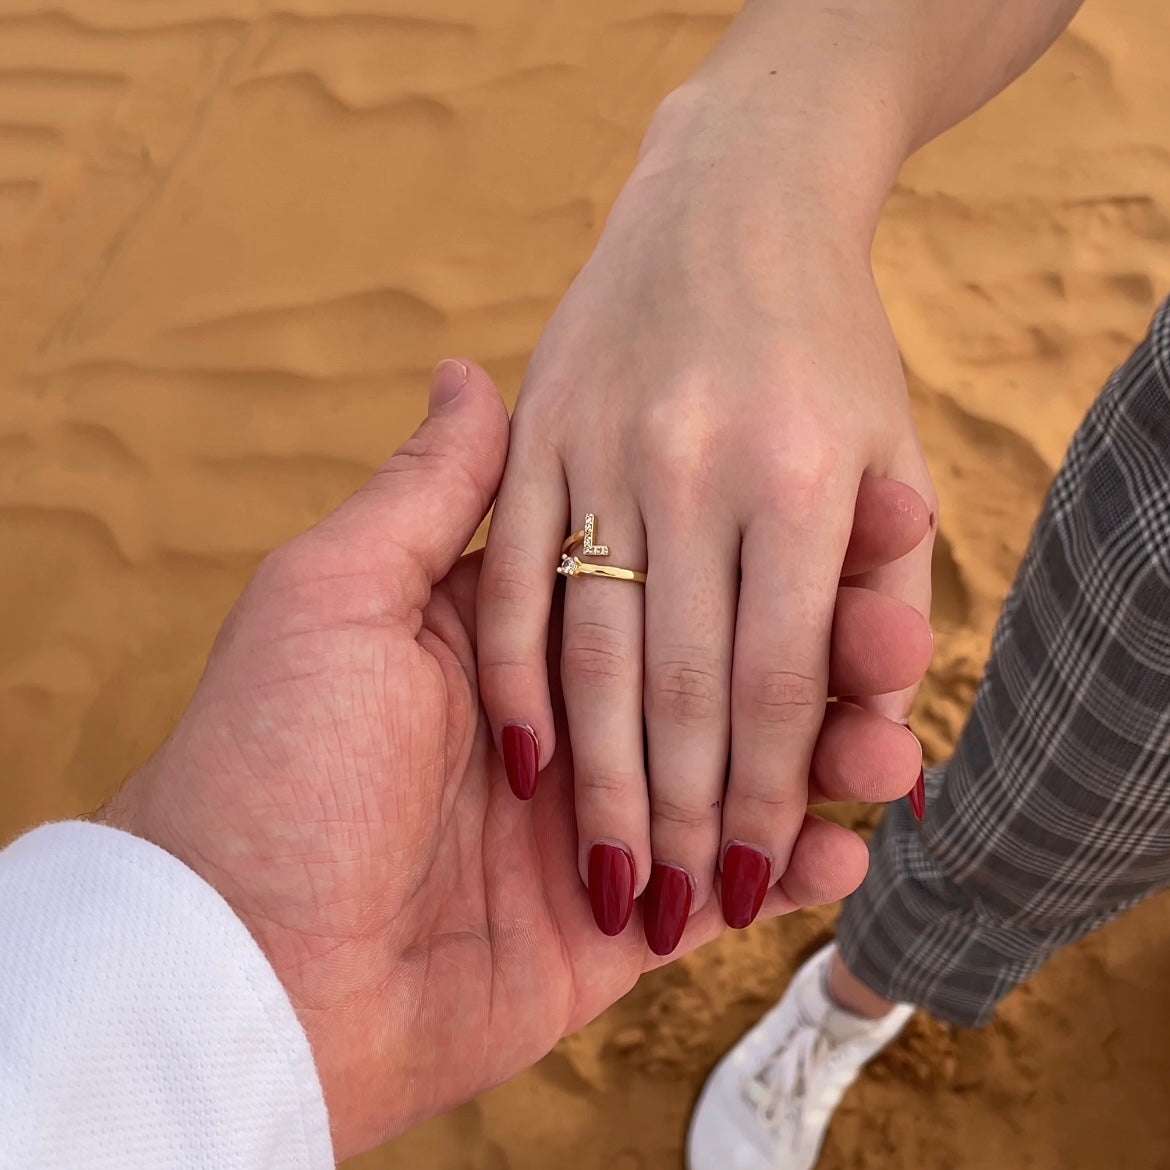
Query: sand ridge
point(235, 236)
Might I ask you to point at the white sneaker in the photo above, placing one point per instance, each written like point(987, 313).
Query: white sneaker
point(768, 1103)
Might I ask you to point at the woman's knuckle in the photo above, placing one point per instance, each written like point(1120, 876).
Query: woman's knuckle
point(686, 691)
point(681, 813)
point(676, 441)
point(596, 655)
point(775, 698)
point(537, 425)
point(605, 783)
point(768, 806)
point(511, 574)
point(799, 473)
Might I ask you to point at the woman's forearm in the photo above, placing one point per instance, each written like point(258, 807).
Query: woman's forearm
point(830, 96)
point(931, 62)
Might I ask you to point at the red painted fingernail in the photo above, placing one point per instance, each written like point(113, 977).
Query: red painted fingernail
point(611, 887)
point(666, 907)
point(747, 873)
point(917, 796)
point(521, 756)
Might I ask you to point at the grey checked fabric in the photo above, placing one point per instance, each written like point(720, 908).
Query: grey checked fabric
point(1053, 815)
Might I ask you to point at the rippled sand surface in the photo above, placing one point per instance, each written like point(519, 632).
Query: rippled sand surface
point(235, 236)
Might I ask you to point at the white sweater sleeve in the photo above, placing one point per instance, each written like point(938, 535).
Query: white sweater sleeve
point(141, 1026)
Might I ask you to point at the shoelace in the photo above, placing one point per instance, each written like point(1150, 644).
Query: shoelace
point(779, 1089)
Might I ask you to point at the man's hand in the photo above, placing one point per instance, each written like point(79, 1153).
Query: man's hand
point(335, 780)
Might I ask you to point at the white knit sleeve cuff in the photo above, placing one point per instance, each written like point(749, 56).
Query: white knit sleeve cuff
point(141, 1025)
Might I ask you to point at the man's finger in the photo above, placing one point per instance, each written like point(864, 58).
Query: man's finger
point(890, 519)
point(908, 578)
point(418, 512)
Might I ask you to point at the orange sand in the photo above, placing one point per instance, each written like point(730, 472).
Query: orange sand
point(234, 240)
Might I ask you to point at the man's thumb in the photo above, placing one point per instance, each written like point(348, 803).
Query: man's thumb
point(420, 509)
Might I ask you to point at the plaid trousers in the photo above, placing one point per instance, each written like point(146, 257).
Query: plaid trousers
point(1053, 814)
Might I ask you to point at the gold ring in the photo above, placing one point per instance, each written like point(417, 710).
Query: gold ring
point(574, 566)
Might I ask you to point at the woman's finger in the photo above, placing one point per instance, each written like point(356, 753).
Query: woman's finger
point(828, 863)
point(690, 626)
point(791, 562)
point(601, 677)
point(515, 594)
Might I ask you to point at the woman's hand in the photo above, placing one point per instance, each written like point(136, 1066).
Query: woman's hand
point(713, 387)
point(335, 780)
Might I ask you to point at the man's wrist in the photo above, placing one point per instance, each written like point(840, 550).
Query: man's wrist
point(299, 962)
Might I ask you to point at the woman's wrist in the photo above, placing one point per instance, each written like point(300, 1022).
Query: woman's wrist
point(825, 170)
